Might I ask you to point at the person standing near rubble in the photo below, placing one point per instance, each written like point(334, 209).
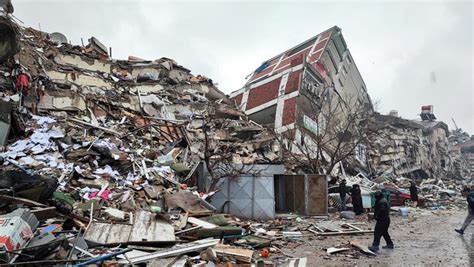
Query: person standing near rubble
point(357, 199)
point(413, 193)
point(470, 215)
point(382, 216)
point(342, 194)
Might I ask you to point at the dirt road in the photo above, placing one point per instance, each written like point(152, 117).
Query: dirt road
point(425, 238)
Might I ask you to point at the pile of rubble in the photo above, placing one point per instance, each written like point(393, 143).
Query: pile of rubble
point(101, 158)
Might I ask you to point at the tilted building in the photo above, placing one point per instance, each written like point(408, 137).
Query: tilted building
point(300, 91)
point(272, 93)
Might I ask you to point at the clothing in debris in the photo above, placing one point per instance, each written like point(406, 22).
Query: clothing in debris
point(357, 199)
point(22, 83)
point(342, 194)
point(382, 215)
point(413, 192)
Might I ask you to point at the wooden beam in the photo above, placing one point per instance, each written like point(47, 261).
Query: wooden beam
point(21, 200)
point(346, 233)
point(98, 127)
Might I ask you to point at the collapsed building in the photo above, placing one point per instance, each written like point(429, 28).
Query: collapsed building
point(115, 148)
point(462, 150)
point(415, 149)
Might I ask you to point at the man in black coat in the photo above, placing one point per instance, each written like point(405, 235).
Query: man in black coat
point(357, 199)
point(342, 194)
point(470, 214)
point(382, 216)
point(414, 193)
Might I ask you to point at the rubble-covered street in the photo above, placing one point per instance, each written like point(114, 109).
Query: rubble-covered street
point(424, 238)
point(142, 161)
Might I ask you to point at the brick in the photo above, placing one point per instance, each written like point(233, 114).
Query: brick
point(289, 111)
point(293, 83)
point(315, 56)
point(238, 98)
point(263, 94)
point(262, 73)
point(320, 45)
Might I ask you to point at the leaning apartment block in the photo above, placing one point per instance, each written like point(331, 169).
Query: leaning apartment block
point(272, 92)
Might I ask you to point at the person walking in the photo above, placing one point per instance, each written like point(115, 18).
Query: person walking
point(414, 193)
point(357, 199)
point(382, 216)
point(470, 214)
point(342, 194)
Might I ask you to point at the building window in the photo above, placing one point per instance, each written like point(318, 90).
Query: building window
point(344, 70)
point(339, 53)
point(349, 60)
point(340, 83)
point(332, 60)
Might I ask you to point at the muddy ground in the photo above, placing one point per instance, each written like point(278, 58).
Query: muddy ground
point(424, 238)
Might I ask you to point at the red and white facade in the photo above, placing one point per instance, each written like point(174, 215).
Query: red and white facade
point(271, 94)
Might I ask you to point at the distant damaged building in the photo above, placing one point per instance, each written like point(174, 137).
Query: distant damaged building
point(415, 149)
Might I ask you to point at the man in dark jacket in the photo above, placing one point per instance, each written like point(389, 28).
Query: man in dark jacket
point(342, 194)
point(382, 216)
point(470, 215)
point(414, 193)
point(357, 199)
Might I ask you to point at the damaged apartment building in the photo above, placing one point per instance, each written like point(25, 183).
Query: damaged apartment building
point(312, 91)
point(306, 90)
point(417, 149)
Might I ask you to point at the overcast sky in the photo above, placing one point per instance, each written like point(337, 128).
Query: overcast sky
point(409, 53)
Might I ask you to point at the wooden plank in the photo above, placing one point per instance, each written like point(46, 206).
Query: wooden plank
point(203, 224)
point(330, 251)
point(243, 255)
point(174, 251)
point(44, 213)
point(346, 233)
point(354, 227)
point(106, 233)
point(147, 228)
point(21, 200)
point(94, 126)
point(188, 230)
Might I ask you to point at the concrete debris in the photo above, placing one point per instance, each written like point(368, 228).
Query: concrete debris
point(110, 152)
point(140, 161)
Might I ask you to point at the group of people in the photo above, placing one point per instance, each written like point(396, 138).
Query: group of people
point(382, 211)
point(356, 196)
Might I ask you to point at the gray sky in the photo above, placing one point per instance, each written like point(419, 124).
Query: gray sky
point(409, 53)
